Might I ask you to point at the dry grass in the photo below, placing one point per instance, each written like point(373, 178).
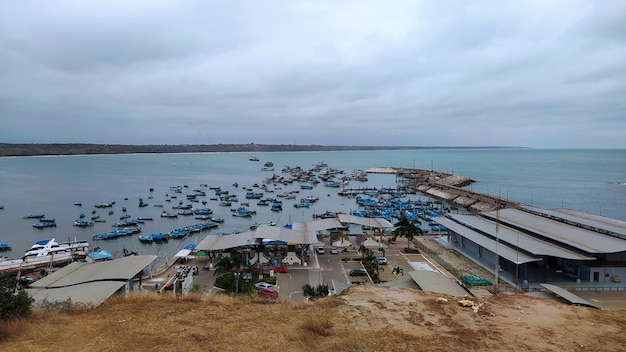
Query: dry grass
point(367, 318)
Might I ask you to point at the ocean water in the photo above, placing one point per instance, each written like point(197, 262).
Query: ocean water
point(592, 181)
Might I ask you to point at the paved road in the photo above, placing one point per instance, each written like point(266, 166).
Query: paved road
point(321, 269)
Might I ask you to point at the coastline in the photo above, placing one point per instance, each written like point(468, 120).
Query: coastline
point(35, 149)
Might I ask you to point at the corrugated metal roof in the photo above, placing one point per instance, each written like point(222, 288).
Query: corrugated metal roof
point(615, 226)
point(300, 232)
point(286, 235)
point(568, 296)
point(371, 222)
point(88, 283)
point(585, 240)
point(214, 242)
point(75, 273)
point(517, 238)
point(183, 253)
point(504, 251)
point(437, 282)
point(92, 293)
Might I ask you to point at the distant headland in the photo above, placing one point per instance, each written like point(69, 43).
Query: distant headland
point(8, 149)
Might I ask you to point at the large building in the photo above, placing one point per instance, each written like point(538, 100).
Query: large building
point(530, 246)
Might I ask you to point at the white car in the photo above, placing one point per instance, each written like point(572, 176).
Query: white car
point(263, 285)
point(320, 250)
point(333, 250)
point(382, 261)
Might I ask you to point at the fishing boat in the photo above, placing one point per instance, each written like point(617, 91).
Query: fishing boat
point(34, 216)
point(145, 238)
point(83, 223)
point(43, 225)
point(99, 255)
point(4, 246)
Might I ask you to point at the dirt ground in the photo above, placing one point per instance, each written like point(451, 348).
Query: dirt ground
point(364, 318)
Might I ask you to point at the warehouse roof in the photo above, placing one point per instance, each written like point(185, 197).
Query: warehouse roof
point(515, 238)
point(76, 273)
point(88, 283)
point(504, 251)
point(601, 223)
point(574, 236)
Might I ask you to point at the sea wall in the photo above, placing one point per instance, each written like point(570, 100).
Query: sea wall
point(445, 187)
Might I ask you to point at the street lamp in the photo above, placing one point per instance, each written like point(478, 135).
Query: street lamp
point(236, 283)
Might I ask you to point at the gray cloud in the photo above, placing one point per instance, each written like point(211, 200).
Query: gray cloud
point(538, 74)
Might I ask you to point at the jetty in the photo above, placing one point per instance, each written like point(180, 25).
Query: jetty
point(444, 187)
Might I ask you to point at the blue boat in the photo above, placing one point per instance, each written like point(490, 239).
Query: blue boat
point(145, 238)
point(98, 256)
point(159, 237)
point(4, 246)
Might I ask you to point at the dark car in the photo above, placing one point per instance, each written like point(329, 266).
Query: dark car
point(358, 272)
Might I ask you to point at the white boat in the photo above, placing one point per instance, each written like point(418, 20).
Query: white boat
point(41, 254)
point(79, 248)
point(47, 252)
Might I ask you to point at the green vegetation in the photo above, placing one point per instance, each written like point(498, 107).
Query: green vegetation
point(370, 263)
point(13, 305)
point(407, 228)
point(315, 292)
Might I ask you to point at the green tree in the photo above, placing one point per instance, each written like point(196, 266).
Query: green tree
point(370, 263)
point(315, 292)
point(225, 268)
point(227, 265)
point(407, 228)
point(13, 305)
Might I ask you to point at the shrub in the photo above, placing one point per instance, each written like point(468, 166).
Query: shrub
point(13, 305)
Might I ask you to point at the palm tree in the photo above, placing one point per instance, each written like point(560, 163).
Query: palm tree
point(407, 228)
point(227, 265)
point(398, 271)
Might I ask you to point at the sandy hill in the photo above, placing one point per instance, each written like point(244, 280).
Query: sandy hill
point(365, 318)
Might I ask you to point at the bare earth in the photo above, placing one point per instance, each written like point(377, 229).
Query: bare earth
point(366, 318)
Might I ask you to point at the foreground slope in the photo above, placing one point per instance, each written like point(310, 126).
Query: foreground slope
point(365, 318)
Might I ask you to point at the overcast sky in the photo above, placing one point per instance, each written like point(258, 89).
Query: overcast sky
point(541, 74)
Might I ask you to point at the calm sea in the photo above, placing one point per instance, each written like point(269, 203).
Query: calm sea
point(593, 181)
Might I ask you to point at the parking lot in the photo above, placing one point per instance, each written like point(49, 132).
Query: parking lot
point(323, 268)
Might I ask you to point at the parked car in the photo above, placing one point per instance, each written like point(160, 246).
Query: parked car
point(280, 269)
point(358, 272)
point(333, 250)
point(382, 261)
point(261, 285)
point(320, 250)
point(268, 292)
